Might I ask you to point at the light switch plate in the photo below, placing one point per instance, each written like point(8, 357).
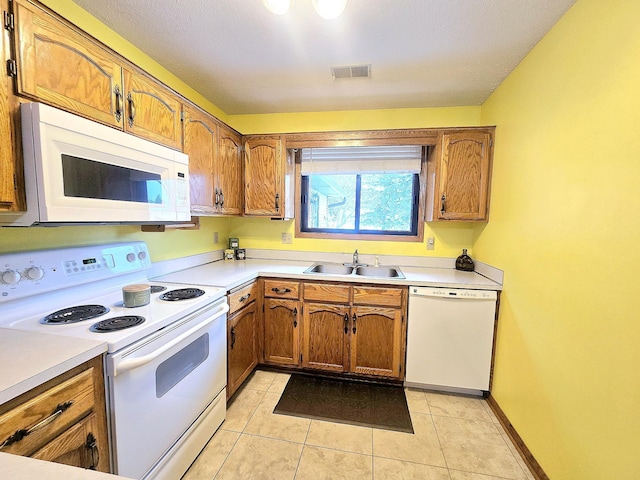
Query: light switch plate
point(431, 243)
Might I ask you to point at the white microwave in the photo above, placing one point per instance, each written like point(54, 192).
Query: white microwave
point(78, 172)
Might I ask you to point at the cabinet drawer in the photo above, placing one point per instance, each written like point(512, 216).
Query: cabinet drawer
point(388, 297)
point(243, 296)
point(323, 292)
point(46, 415)
point(281, 289)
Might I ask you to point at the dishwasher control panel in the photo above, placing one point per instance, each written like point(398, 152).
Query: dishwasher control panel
point(453, 293)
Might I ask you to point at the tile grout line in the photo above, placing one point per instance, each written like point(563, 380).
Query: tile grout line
point(227, 455)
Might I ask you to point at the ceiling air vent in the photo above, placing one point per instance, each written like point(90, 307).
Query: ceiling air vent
point(353, 71)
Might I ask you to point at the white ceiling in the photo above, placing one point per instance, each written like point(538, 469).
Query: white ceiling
point(423, 53)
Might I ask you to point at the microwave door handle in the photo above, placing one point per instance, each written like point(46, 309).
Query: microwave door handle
point(132, 363)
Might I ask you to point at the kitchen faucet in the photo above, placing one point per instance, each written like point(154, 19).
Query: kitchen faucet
point(355, 257)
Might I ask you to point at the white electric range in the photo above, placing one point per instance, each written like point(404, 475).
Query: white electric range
point(165, 370)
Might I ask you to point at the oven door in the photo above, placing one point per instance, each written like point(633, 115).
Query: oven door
point(159, 386)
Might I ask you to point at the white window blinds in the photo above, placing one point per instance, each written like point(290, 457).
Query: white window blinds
point(354, 160)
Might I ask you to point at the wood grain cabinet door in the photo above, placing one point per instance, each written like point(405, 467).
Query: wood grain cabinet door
point(281, 331)
point(152, 110)
point(263, 177)
point(12, 196)
point(58, 65)
point(242, 346)
point(325, 337)
point(200, 132)
point(376, 338)
point(228, 172)
point(78, 446)
point(464, 176)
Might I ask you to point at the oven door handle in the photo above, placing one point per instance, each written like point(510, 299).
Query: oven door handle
point(132, 363)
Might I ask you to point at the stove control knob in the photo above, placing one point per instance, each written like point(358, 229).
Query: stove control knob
point(142, 256)
point(10, 277)
point(35, 273)
point(131, 257)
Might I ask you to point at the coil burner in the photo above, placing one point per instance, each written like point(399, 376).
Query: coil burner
point(117, 323)
point(181, 294)
point(75, 314)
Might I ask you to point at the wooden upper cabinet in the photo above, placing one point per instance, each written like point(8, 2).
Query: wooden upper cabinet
point(228, 172)
point(200, 132)
point(11, 180)
point(264, 176)
point(152, 110)
point(58, 65)
point(459, 174)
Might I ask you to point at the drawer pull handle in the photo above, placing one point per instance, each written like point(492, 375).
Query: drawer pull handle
point(118, 94)
point(92, 446)
point(244, 298)
point(295, 317)
point(354, 323)
point(281, 290)
point(233, 337)
point(132, 109)
point(346, 323)
point(20, 434)
point(443, 204)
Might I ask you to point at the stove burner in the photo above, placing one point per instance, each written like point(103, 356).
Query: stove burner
point(117, 323)
point(75, 314)
point(181, 294)
point(157, 288)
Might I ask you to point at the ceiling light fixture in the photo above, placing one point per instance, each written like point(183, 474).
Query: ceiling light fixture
point(279, 7)
point(329, 9)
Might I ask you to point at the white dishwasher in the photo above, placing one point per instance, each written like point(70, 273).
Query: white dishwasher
point(450, 339)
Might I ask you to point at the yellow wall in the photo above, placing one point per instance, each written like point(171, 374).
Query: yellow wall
point(565, 227)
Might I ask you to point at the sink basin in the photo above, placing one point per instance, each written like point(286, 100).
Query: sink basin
point(329, 268)
point(361, 270)
point(386, 272)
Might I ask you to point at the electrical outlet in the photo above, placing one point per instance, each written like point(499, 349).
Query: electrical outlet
point(215, 237)
point(287, 238)
point(431, 243)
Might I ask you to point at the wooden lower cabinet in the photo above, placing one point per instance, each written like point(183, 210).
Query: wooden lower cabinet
point(65, 419)
point(364, 334)
point(376, 341)
point(242, 346)
point(325, 339)
point(282, 331)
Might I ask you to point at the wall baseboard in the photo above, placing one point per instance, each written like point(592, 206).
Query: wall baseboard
point(525, 453)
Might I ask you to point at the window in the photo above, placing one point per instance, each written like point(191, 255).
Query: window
point(361, 190)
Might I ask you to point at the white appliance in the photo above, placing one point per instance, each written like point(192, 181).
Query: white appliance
point(450, 339)
point(165, 374)
point(79, 171)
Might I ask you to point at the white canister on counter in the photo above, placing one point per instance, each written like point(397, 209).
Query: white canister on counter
point(136, 295)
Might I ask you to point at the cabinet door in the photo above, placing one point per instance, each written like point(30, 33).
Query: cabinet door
point(376, 337)
point(152, 110)
point(11, 181)
point(324, 341)
point(464, 176)
point(200, 133)
point(78, 447)
point(59, 66)
point(281, 331)
point(228, 172)
point(263, 177)
point(242, 346)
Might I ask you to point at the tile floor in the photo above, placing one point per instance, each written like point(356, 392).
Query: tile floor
point(456, 438)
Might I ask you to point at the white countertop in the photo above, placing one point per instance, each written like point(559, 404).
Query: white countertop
point(231, 273)
point(28, 359)
point(15, 467)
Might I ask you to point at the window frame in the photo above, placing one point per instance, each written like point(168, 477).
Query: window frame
point(415, 208)
point(427, 142)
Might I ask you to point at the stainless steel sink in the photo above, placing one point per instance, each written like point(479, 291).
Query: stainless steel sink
point(386, 272)
point(362, 270)
point(330, 269)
